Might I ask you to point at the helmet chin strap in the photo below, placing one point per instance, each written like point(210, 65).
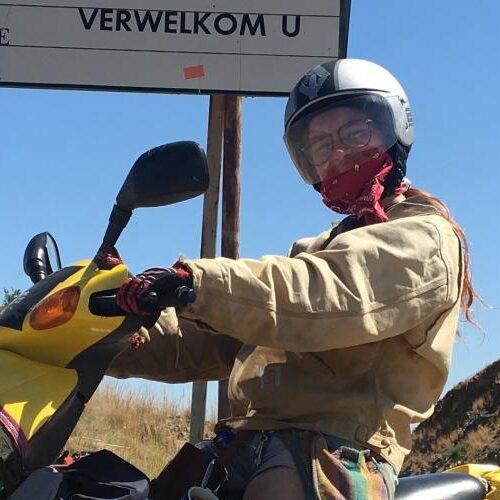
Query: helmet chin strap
point(399, 154)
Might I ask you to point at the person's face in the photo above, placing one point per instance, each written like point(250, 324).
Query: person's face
point(335, 135)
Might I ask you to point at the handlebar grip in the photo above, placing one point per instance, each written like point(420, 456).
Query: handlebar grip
point(104, 304)
point(184, 294)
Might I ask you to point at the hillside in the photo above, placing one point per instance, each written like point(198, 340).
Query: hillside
point(465, 427)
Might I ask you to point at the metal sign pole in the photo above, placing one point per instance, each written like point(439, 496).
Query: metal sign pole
point(208, 240)
point(224, 130)
point(230, 202)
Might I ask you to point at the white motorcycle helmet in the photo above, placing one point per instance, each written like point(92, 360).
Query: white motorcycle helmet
point(351, 83)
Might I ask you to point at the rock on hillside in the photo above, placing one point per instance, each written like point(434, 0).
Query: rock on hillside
point(465, 427)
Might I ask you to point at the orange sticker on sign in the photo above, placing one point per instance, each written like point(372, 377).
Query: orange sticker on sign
point(194, 72)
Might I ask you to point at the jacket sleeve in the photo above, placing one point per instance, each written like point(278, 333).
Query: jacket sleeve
point(199, 354)
point(371, 283)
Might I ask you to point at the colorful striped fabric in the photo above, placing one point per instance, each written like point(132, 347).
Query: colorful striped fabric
point(332, 470)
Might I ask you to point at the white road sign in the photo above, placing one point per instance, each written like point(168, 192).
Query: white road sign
point(257, 47)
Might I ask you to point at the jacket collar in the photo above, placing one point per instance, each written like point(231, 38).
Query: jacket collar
point(410, 207)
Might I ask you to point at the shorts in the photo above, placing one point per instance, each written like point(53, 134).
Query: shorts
point(262, 451)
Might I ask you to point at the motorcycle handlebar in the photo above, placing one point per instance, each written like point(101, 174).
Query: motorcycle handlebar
point(104, 303)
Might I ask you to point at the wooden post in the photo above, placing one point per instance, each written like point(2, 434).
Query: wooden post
point(208, 241)
point(230, 201)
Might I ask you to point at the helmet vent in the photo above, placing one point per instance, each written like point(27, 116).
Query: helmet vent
point(311, 84)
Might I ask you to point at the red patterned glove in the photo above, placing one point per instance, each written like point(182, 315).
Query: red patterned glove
point(155, 289)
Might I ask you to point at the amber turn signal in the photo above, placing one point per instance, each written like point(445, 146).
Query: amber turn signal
point(56, 309)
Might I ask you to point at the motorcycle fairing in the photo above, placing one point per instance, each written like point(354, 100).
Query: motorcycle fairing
point(47, 376)
point(58, 346)
point(90, 365)
point(30, 392)
point(14, 314)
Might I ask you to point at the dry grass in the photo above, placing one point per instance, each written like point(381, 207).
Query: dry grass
point(445, 442)
point(479, 403)
point(480, 445)
point(477, 439)
point(135, 426)
point(465, 428)
point(482, 440)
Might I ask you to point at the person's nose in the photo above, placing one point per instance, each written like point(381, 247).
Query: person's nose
point(338, 155)
point(337, 163)
point(334, 164)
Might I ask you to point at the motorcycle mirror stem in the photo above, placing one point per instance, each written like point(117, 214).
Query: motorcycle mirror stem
point(118, 220)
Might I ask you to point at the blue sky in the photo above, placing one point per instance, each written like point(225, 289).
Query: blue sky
point(64, 155)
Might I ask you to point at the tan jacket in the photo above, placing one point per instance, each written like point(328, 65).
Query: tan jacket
point(351, 335)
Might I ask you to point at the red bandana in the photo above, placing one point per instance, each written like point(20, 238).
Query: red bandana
point(358, 190)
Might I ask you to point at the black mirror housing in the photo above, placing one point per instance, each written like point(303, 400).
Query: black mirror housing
point(164, 175)
point(41, 257)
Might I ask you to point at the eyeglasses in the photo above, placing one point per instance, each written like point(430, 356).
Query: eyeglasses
point(354, 135)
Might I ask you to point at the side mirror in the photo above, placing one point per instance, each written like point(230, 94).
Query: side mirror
point(40, 257)
point(164, 175)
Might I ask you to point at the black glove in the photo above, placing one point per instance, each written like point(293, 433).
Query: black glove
point(156, 289)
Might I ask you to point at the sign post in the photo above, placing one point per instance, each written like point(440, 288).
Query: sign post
point(209, 240)
point(230, 203)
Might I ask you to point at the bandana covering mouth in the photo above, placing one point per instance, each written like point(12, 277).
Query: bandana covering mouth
point(358, 190)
